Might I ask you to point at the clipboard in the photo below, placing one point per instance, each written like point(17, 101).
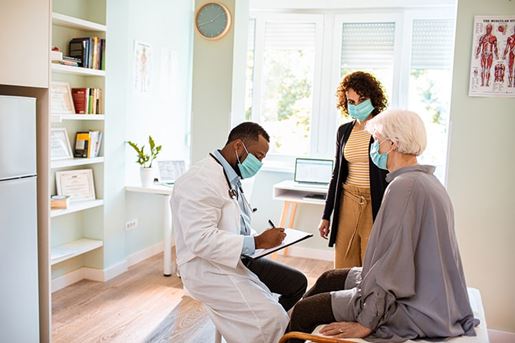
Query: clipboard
point(292, 237)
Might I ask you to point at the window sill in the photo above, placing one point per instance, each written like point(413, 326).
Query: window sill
point(278, 167)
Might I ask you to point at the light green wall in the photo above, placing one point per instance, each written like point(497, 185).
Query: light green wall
point(481, 175)
point(161, 112)
point(211, 90)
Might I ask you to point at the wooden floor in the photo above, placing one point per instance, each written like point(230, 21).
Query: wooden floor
point(141, 306)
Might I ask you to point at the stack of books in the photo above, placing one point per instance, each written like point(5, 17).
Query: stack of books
point(87, 144)
point(90, 51)
point(57, 57)
point(88, 100)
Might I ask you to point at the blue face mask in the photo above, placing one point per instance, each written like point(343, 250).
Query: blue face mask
point(250, 165)
point(360, 111)
point(378, 158)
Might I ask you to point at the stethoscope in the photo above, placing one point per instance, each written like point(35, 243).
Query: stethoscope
point(233, 194)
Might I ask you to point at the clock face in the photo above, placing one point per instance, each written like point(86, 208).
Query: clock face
point(213, 20)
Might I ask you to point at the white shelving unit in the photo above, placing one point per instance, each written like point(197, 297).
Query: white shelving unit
point(74, 162)
point(76, 23)
point(58, 118)
point(78, 229)
point(64, 69)
point(77, 207)
point(73, 249)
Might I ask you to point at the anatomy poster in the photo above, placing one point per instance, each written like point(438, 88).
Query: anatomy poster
point(492, 69)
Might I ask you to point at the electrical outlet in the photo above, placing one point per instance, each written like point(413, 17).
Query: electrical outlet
point(131, 224)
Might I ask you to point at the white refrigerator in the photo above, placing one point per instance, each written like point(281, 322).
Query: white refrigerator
point(19, 300)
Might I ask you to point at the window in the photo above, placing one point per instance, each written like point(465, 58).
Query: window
point(283, 80)
point(295, 61)
point(430, 84)
point(369, 47)
point(249, 84)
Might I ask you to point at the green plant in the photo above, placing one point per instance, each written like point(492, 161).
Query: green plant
point(144, 159)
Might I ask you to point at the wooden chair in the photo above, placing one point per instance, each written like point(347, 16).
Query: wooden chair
point(311, 338)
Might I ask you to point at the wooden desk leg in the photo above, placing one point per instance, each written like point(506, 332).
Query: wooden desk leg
point(167, 236)
point(284, 213)
point(292, 221)
point(282, 222)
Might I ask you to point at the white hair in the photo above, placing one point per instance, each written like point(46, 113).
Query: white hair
point(404, 128)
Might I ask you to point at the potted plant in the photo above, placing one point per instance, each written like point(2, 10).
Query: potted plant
point(145, 160)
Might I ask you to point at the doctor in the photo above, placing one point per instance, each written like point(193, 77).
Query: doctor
point(212, 223)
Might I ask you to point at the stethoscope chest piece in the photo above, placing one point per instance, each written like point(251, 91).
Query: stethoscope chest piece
point(232, 193)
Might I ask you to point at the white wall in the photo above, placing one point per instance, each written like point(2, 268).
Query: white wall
point(481, 176)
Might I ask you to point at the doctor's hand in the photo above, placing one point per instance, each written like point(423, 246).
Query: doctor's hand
point(269, 238)
point(324, 228)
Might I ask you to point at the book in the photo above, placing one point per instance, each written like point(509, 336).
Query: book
point(79, 100)
point(87, 144)
point(292, 237)
point(79, 48)
point(82, 144)
point(59, 201)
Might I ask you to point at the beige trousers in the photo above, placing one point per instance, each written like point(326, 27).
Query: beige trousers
point(354, 227)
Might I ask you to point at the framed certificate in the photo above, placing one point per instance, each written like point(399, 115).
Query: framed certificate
point(61, 101)
point(59, 144)
point(77, 184)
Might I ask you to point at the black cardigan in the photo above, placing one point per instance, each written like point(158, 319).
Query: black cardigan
point(341, 171)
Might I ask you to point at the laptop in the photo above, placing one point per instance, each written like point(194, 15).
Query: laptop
point(313, 171)
point(169, 171)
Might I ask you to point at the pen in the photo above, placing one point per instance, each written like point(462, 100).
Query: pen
point(272, 224)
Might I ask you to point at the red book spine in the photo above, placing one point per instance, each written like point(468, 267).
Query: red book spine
point(79, 100)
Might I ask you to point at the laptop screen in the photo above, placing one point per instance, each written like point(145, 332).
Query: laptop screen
point(311, 170)
point(169, 171)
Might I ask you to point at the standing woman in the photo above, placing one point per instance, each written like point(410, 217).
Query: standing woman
point(357, 184)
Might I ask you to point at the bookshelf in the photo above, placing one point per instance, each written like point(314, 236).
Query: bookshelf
point(60, 19)
point(59, 118)
point(63, 69)
point(75, 162)
point(76, 234)
point(73, 249)
point(77, 207)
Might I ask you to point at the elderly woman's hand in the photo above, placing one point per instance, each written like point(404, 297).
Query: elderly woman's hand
point(346, 330)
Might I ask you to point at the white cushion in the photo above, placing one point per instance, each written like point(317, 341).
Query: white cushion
point(477, 309)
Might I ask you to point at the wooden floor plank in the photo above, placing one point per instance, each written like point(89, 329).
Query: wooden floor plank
point(141, 306)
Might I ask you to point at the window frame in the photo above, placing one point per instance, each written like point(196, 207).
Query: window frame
point(325, 119)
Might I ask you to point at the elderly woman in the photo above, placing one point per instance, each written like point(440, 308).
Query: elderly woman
point(412, 283)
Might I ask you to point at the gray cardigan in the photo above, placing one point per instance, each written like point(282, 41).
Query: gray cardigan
point(412, 283)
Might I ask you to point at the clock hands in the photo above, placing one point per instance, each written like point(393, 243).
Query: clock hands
point(209, 21)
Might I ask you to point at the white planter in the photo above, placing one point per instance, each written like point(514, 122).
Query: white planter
point(147, 176)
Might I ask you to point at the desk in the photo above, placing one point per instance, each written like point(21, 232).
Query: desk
point(169, 266)
point(293, 193)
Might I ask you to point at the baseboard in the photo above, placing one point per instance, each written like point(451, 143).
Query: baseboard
point(316, 254)
point(107, 274)
point(497, 336)
point(111, 272)
point(67, 279)
point(143, 254)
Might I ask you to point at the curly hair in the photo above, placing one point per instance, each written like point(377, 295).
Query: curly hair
point(367, 86)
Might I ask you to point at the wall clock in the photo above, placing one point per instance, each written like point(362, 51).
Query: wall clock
point(213, 20)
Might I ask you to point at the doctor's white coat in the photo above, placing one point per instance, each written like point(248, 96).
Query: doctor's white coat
point(207, 225)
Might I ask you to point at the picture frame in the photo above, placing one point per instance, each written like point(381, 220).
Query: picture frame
point(61, 101)
point(77, 184)
point(60, 148)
